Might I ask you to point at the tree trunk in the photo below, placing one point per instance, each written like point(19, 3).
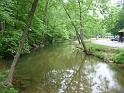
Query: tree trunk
point(45, 18)
point(81, 29)
point(2, 25)
point(22, 41)
point(77, 34)
point(45, 21)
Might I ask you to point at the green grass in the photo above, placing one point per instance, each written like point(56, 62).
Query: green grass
point(107, 53)
point(5, 89)
point(119, 57)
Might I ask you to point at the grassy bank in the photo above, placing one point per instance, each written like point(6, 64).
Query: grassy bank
point(3, 77)
point(108, 54)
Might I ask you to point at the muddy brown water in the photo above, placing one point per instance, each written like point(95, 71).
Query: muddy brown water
point(62, 69)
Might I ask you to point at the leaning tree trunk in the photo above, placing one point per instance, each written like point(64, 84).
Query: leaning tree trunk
point(22, 41)
point(81, 35)
point(75, 28)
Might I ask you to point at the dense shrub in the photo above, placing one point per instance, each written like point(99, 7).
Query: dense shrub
point(9, 43)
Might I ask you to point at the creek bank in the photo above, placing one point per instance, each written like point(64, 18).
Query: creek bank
point(3, 76)
point(108, 54)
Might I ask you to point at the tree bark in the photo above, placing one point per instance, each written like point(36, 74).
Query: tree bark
point(45, 22)
point(81, 29)
point(77, 34)
point(22, 41)
point(45, 18)
point(2, 25)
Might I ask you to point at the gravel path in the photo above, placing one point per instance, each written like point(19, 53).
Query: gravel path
point(110, 43)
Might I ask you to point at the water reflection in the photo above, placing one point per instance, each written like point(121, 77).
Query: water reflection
point(61, 70)
point(95, 78)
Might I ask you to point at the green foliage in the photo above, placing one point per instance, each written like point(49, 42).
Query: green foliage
point(51, 24)
point(9, 43)
point(14, 14)
point(116, 20)
point(119, 58)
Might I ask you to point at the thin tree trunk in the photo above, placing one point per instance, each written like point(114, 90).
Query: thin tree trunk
point(77, 34)
point(81, 29)
point(16, 13)
point(2, 25)
point(45, 18)
point(22, 41)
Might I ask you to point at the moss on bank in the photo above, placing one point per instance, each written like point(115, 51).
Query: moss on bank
point(108, 54)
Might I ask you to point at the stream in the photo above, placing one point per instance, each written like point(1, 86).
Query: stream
point(63, 69)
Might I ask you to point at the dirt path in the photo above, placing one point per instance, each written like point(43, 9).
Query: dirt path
point(110, 43)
